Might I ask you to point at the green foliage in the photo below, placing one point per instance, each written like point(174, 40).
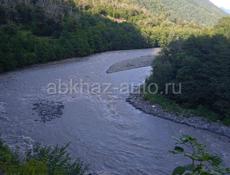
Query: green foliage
point(202, 162)
point(223, 27)
point(33, 34)
point(202, 12)
point(37, 31)
point(41, 160)
point(56, 160)
point(156, 28)
point(201, 65)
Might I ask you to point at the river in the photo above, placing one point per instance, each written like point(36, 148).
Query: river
point(104, 130)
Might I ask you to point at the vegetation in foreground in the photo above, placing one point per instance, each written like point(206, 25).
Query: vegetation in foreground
point(202, 162)
point(56, 161)
point(201, 65)
point(40, 161)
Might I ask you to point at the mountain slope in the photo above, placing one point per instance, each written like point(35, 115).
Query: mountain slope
point(202, 12)
point(38, 31)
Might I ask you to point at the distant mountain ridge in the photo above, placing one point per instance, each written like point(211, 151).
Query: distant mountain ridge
point(202, 12)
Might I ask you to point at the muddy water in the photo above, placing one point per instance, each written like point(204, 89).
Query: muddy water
point(104, 131)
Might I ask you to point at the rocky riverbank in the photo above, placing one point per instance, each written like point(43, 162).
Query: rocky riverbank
point(138, 102)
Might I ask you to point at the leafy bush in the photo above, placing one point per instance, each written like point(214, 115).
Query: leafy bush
point(202, 162)
point(41, 160)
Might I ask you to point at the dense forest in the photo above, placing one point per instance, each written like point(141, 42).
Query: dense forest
point(33, 32)
point(202, 65)
point(37, 31)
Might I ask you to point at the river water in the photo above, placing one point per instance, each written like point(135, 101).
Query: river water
point(104, 130)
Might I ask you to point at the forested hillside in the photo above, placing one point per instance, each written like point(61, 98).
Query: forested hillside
point(202, 12)
point(157, 29)
point(201, 65)
point(38, 31)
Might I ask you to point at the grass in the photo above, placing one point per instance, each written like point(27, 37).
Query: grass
point(41, 160)
point(169, 105)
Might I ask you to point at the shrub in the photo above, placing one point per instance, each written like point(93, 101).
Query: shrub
point(202, 162)
point(201, 65)
point(41, 160)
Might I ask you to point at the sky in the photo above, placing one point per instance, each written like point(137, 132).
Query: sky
point(222, 3)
